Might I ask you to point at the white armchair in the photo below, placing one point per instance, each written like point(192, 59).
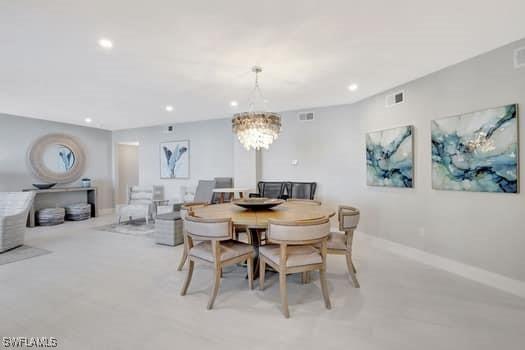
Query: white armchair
point(14, 207)
point(140, 203)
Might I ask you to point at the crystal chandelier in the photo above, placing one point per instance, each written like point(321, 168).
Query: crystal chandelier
point(256, 129)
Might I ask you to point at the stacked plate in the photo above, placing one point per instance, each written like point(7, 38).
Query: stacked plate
point(51, 216)
point(78, 211)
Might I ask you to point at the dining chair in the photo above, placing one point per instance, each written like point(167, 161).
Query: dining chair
point(184, 210)
point(341, 242)
point(222, 182)
point(271, 189)
point(216, 248)
point(303, 201)
point(292, 250)
point(302, 190)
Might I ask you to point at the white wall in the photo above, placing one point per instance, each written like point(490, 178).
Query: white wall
point(211, 152)
point(18, 133)
point(480, 229)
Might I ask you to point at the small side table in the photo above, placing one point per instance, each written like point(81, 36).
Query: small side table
point(234, 190)
point(168, 229)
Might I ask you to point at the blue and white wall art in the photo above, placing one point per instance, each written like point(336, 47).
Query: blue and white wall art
point(175, 159)
point(477, 151)
point(390, 157)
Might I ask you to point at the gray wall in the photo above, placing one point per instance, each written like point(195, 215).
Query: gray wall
point(480, 229)
point(18, 133)
point(211, 152)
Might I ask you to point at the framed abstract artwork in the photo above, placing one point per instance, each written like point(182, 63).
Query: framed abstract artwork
point(175, 159)
point(390, 157)
point(477, 152)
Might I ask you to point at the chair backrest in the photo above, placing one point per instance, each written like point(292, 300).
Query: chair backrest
point(13, 203)
point(222, 182)
point(348, 217)
point(298, 232)
point(302, 190)
point(204, 191)
point(140, 195)
point(208, 229)
point(269, 189)
point(303, 201)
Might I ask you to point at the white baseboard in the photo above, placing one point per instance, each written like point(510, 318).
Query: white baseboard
point(106, 211)
point(491, 279)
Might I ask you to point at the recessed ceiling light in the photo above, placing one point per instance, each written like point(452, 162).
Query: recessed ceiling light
point(105, 43)
point(88, 120)
point(353, 87)
point(234, 103)
point(169, 108)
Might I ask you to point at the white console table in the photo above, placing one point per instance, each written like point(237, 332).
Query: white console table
point(91, 198)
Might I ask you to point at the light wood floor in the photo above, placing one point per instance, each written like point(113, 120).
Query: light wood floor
point(101, 290)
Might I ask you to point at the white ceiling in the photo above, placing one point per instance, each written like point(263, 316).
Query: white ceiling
point(196, 55)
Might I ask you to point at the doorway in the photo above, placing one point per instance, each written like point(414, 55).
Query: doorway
point(127, 169)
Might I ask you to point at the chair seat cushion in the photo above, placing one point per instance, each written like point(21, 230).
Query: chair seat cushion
point(298, 255)
point(229, 250)
point(336, 241)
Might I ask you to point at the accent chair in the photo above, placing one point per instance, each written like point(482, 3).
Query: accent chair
point(14, 208)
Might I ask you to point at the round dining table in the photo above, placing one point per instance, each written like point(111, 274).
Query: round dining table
point(256, 221)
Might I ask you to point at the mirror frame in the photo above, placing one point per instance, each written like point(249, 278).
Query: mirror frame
point(35, 159)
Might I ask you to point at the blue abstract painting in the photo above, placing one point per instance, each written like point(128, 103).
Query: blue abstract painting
point(477, 151)
point(67, 158)
point(390, 157)
point(174, 159)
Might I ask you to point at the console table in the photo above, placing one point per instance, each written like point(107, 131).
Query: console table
point(91, 198)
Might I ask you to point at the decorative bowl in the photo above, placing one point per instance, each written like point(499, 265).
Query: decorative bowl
point(258, 203)
point(44, 186)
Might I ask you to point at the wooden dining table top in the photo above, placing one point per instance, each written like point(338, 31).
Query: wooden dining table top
point(288, 211)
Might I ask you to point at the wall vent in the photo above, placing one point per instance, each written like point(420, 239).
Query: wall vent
point(395, 98)
point(306, 116)
point(519, 58)
point(170, 129)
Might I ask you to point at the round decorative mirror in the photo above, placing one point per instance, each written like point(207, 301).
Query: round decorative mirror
point(56, 158)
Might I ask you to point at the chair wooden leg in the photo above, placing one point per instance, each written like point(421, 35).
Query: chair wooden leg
point(188, 278)
point(284, 294)
point(324, 288)
point(353, 266)
point(215, 288)
point(304, 277)
point(351, 270)
point(183, 258)
point(262, 271)
point(249, 263)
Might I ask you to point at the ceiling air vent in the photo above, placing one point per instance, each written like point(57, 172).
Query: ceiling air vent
point(395, 98)
point(306, 116)
point(519, 58)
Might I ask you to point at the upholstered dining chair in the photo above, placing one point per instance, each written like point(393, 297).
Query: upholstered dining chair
point(216, 248)
point(204, 191)
point(222, 182)
point(292, 250)
point(186, 209)
point(341, 242)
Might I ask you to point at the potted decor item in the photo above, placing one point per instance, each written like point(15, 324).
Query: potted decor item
point(85, 182)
